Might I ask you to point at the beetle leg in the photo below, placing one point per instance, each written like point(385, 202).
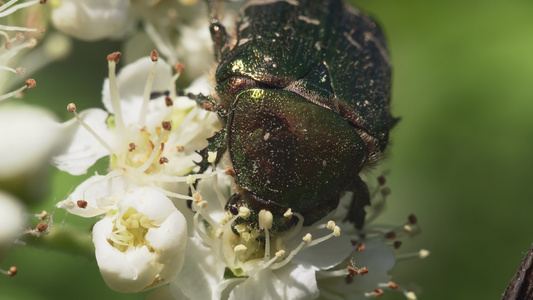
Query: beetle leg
point(217, 144)
point(361, 198)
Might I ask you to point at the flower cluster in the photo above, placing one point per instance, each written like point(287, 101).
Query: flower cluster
point(162, 210)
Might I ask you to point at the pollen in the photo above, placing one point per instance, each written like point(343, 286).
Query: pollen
point(307, 238)
point(190, 180)
point(244, 212)
point(211, 157)
point(265, 219)
point(81, 203)
point(280, 253)
point(331, 225)
point(130, 230)
point(240, 248)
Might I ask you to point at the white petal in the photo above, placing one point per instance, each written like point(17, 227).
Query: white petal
point(327, 254)
point(91, 20)
point(290, 282)
point(12, 219)
point(131, 81)
point(201, 274)
point(140, 269)
point(378, 258)
point(29, 134)
point(101, 194)
point(81, 149)
point(195, 48)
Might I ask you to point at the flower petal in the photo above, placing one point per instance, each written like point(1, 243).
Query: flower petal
point(290, 282)
point(140, 268)
point(100, 193)
point(131, 81)
point(201, 274)
point(29, 135)
point(82, 149)
point(91, 20)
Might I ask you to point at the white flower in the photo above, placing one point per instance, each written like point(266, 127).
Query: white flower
point(91, 20)
point(150, 142)
point(246, 261)
point(30, 135)
point(12, 220)
point(195, 48)
point(283, 268)
point(141, 245)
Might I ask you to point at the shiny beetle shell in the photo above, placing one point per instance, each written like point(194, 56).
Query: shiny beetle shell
point(304, 93)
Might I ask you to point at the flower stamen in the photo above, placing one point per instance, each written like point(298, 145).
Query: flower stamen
point(72, 108)
point(112, 60)
point(148, 88)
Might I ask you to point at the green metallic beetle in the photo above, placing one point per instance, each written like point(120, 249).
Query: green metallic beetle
point(304, 92)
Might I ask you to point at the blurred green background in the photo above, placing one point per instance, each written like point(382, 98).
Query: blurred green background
point(459, 159)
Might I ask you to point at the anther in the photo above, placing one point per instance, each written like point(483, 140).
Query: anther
point(307, 238)
point(201, 204)
point(31, 83)
point(393, 285)
point(81, 203)
point(166, 125)
point(180, 148)
point(423, 253)
point(154, 55)
point(331, 225)
point(410, 295)
point(265, 219)
point(42, 227)
point(407, 229)
point(190, 180)
point(240, 248)
point(211, 157)
point(114, 57)
point(12, 271)
point(397, 244)
point(132, 147)
point(288, 214)
point(168, 101)
point(360, 247)
point(71, 107)
point(179, 67)
point(197, 197)
point(378, 292)
point(163, 160)
point(280, 253)
point(381, 180)
point(20, 72)
point(352, 271)
point(43, 215)
point(412, 219)
point(336, 231)
point(244, 212)
point(390, 235)
point(230, 172)
point(42, 2)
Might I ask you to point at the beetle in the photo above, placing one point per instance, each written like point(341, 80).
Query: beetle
point(303, 91)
